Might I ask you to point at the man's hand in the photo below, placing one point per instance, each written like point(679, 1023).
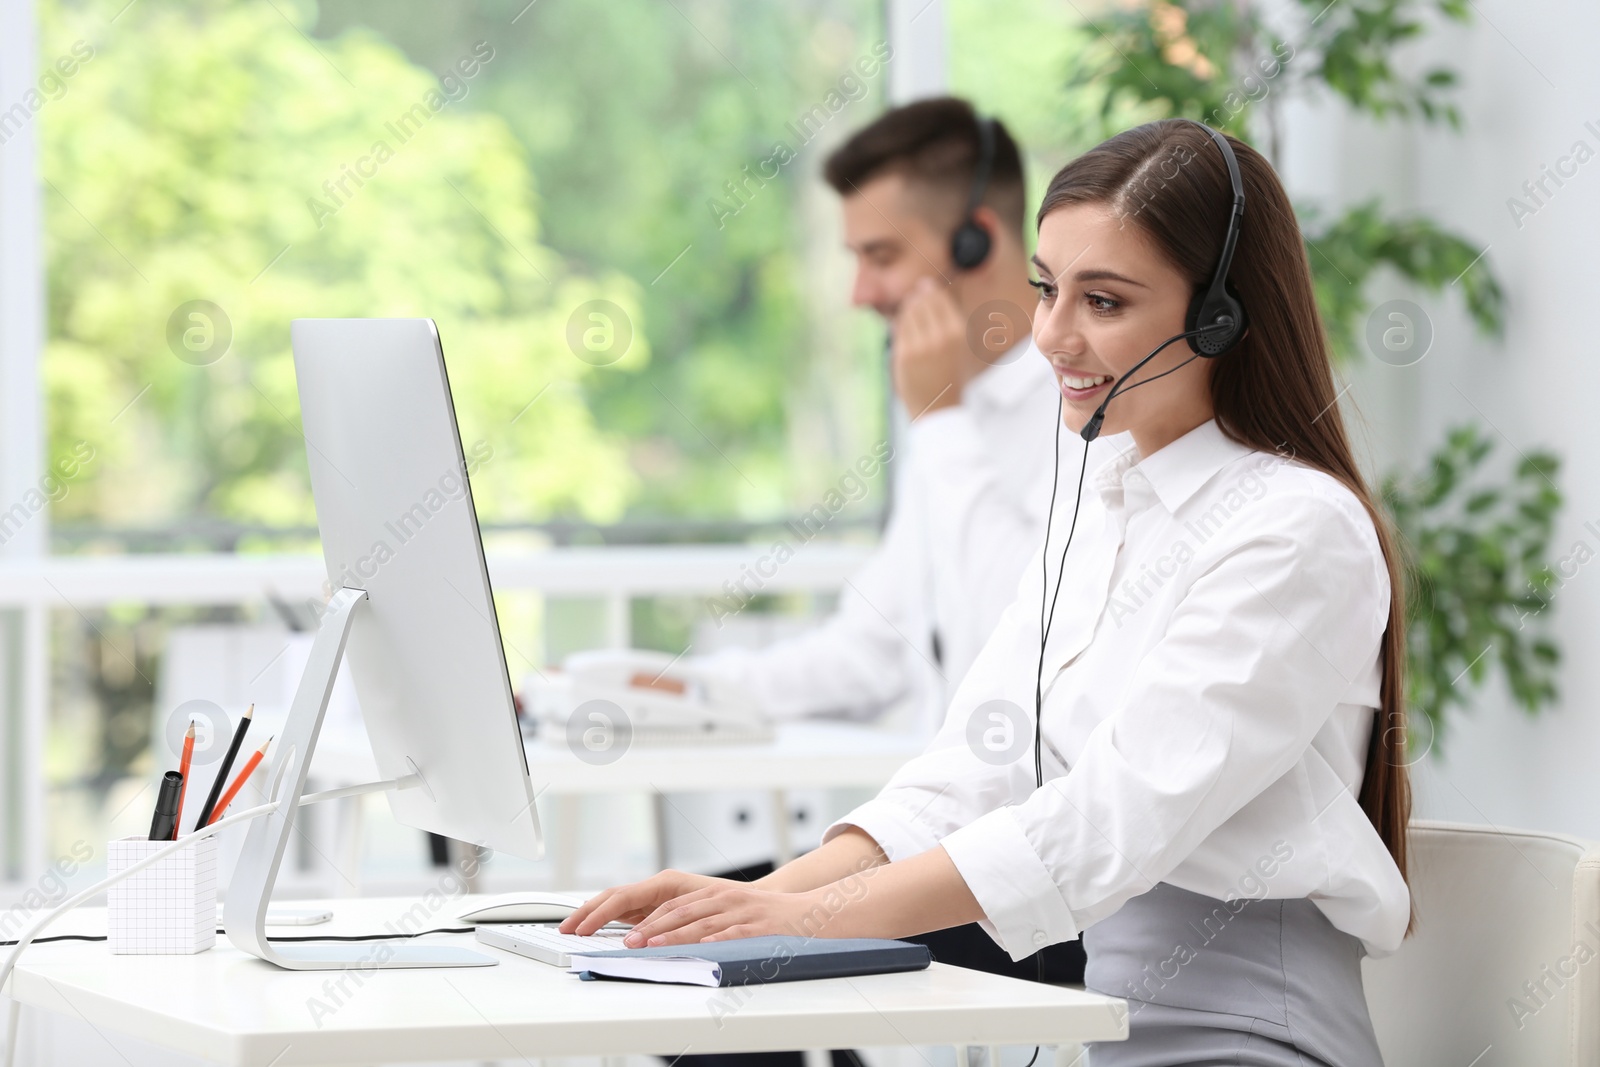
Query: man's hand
point(931, 362)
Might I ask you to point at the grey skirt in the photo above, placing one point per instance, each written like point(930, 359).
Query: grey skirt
point(1271, 984)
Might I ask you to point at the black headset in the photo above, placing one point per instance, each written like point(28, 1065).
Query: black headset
point(969, 247)
point(1215, 323)
point(1216, 319)
point(970, 244)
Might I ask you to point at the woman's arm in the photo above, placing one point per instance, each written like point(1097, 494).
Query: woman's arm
point(850, 851)
point(942, 789)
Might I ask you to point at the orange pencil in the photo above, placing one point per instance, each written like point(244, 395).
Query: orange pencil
point(238, 783)
point(183, 769)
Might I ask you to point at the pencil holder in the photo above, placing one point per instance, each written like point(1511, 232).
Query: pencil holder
point(170, 907)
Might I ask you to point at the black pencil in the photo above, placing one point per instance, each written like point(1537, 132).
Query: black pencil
point(227, 765)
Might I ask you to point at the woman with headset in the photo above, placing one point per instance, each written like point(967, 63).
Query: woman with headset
point(1185, 740)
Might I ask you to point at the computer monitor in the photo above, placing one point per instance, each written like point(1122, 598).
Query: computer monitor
point(410, 605)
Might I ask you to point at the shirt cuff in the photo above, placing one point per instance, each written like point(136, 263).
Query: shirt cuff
point(899, 835)
point(734, 676)
point(1021, 902)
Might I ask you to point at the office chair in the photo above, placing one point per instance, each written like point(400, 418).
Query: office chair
point(1503, 919)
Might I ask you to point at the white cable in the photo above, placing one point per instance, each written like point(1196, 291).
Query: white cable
point(100, 887)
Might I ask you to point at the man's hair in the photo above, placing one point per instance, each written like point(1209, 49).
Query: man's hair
point(934, 143)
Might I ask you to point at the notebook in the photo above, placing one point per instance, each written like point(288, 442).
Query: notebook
point(755, 960)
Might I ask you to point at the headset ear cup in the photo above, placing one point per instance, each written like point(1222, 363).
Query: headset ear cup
point(1191, 320)
point(1203, 313)
point(969, 245)
point(1241, 318)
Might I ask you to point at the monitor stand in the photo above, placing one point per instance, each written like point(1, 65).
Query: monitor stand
point(250, 891)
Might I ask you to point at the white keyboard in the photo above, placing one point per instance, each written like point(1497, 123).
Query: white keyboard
point(546, 943)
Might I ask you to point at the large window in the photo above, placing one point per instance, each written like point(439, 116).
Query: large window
point(611, 209)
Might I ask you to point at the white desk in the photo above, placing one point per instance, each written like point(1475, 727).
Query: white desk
point(226, 1006)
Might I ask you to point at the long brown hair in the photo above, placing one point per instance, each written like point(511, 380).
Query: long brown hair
point(1274, 390)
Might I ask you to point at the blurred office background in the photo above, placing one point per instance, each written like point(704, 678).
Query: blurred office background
point(613, 212)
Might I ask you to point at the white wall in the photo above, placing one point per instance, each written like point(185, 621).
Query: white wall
point(1529, 85)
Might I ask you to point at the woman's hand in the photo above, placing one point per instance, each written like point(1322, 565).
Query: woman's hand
point(676, 908)
point(634, 902)
point(728, 910)
point(912, 896)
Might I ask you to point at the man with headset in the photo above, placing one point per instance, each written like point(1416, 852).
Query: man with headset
point(933, 203)
point(934, 207)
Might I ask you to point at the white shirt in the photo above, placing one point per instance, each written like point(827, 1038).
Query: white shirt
point(1212, 672)
point(972, 492)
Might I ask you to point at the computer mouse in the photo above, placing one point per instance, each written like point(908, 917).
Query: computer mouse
point(523, 908)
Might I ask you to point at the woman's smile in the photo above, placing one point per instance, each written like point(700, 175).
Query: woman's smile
point(1078, 387)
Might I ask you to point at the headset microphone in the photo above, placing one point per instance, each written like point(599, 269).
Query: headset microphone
point(1091, 429)
point(1214, 324)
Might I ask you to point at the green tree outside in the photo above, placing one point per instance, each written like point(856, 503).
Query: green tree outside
point(202, 177)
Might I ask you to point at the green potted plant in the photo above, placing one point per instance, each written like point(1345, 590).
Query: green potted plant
point(1478, 577)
